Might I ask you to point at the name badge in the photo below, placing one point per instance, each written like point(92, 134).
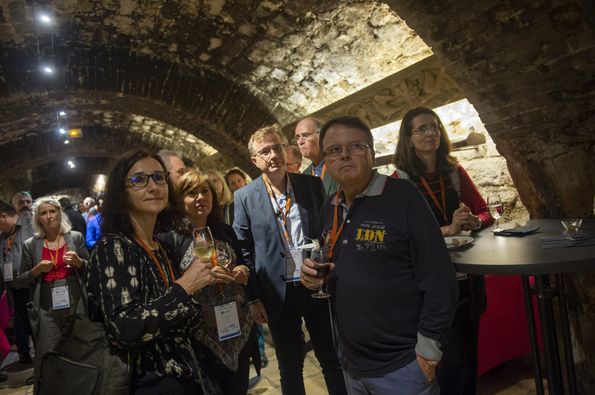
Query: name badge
point(7, 270)
point(60, 298)
point(228, 323)
point(294, 265)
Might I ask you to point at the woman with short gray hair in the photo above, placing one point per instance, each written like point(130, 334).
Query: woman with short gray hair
point(51, 261)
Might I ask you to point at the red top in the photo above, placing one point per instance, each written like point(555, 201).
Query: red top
point(60, 270)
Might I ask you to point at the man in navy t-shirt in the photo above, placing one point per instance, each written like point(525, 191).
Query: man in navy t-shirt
point(394, 287)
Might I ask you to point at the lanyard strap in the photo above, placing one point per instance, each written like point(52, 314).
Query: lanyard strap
point(8, 244)
point(335, 233)
point(156, 261)
point(53, 258)
point(442, 208)
point(322, 172)
point(282, 214)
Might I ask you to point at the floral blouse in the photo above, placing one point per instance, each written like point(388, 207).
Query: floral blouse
point(139, 313)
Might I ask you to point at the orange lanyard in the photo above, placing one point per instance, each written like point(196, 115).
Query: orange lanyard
point(9, 243)
point(322, 172)
point(53, 258)
point(442, 208)
point(156, 261)
point(285, 214)
point(335, 234)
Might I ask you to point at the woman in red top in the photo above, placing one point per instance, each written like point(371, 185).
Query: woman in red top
point(49, 264)
point(423, 156)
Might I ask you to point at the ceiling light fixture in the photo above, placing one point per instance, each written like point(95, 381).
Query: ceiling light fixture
point(62, 113)
point(45, 18)
point(66, 141)
point(48, 69)
point(62, 131)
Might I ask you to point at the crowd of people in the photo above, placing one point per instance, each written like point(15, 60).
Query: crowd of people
point(188, 316)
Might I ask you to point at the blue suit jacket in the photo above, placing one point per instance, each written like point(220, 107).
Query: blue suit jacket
point(261, 241)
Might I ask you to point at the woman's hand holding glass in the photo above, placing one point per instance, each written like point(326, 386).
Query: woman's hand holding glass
point(71, 258)
point(200, 274)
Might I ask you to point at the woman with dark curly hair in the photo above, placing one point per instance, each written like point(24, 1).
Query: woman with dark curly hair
point(135, 287)
point(423, 156)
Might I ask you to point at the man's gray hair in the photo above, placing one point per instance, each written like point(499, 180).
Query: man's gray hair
point(165, 154)
point(17, 195)
point(65, 225)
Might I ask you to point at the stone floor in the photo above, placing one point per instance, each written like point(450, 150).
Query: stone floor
point(511, 378)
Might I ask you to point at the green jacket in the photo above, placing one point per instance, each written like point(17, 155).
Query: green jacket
point(330, 185)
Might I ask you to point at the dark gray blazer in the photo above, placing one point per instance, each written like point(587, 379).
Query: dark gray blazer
point(32, 249)
point(260, 240)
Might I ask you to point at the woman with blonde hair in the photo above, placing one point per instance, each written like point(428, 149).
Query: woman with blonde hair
point(227, 359)
point(224, 195)
point(51, 262)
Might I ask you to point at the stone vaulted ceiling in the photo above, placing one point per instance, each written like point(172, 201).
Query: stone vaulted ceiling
point(195, 76)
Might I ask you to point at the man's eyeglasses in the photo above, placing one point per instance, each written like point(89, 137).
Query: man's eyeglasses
point(426, 130)
point(303, 136)
point(141, 180)
point(356, 148)
point(266, 152)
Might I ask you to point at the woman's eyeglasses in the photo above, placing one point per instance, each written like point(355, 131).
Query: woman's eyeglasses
point(141, 180)
point(426, 130)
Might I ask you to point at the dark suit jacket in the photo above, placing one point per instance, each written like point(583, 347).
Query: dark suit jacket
point(261, 241)
point(330, 185)
point(77, 221)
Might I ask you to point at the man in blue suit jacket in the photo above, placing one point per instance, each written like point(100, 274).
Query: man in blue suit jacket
point(275, 216)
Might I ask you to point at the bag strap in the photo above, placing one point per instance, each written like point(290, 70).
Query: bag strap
point(82, 295)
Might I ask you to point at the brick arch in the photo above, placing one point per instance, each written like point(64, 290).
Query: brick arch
point(101, 140)
point(527, 68)
point(203, 103)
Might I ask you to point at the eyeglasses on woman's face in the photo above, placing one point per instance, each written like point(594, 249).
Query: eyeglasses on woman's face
point(141, 180)
point(427, 130)
point(355, 148)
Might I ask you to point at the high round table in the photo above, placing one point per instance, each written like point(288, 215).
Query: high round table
point(525, 256)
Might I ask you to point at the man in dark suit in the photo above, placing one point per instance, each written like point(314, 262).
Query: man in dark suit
point(76, 219)
point(275, 216)
point(306, 138)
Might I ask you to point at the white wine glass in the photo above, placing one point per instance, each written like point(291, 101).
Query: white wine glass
point(496, 209)
point(204, 245)
point(224, 254)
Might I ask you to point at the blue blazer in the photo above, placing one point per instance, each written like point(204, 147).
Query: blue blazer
point(261, 241)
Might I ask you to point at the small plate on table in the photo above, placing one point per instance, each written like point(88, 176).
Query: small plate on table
point(454, 242)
